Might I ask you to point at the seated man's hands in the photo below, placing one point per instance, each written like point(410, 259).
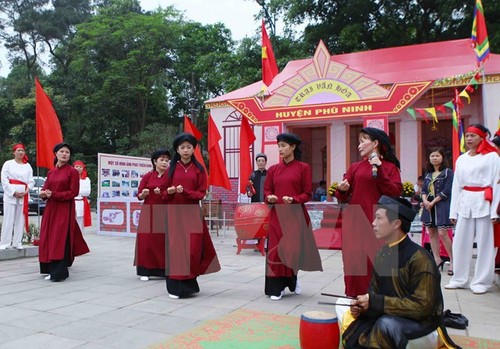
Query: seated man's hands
point(360, 305)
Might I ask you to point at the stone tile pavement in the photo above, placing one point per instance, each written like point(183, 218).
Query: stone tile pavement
point(103, 304)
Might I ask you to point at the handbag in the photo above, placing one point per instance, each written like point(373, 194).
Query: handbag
point(455, 320)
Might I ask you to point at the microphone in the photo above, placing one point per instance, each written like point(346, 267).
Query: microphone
point(374, 167)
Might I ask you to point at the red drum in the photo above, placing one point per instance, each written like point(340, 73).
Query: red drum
point(251, 221)
point(319, 330)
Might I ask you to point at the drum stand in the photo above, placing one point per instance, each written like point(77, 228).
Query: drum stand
point(248, 244)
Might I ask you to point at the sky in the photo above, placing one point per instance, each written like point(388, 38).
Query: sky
point(236, 15)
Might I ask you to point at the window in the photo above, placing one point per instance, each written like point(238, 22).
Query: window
point(231, 128)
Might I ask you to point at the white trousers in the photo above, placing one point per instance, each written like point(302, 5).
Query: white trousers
point(484, 273)
point(13, 218)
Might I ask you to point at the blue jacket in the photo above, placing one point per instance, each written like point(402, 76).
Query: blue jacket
point(442, 188)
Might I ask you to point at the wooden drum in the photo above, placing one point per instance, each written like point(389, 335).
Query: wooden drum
point(251, 221)
point(319, 330)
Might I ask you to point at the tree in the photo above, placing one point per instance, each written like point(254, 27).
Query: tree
point(28, 27)
point(354, 25)
point(119, 66)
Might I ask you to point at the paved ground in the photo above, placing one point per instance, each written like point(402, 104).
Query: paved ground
point(104, 305)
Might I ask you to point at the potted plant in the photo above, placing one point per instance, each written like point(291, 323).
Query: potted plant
point(32, 236)
point(408, 189)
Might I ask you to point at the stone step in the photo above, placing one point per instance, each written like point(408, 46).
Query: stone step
point(12, 253)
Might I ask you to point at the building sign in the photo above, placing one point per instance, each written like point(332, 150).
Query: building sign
point(118, 181)
point(381, 122)
point(400, 96)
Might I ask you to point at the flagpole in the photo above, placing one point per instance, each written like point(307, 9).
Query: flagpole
point(210, 224)
point(38, 201)
point(483, 91)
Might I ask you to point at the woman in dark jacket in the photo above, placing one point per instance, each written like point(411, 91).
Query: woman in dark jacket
point(436, 198)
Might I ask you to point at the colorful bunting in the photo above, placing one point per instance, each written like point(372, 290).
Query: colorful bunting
point(411, 111)
point(422, 112)
point(466, 95)
point(469, 88)
point(441, 109)
point(432, 111)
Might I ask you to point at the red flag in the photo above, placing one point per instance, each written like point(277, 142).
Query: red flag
point(247, 137)
point(189, 127)
point(269, 66)
point(218, 173)
point(48, 129)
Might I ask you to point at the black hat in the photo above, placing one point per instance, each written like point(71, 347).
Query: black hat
point(289, 138)
point(184, 137)
point(261, 155)
point(61, 145)
point(403, 207)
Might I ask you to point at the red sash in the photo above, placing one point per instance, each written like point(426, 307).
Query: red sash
point(25, 203)
point(87, 218)
point(488, 192)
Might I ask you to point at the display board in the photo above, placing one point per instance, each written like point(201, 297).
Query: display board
point(118, 181)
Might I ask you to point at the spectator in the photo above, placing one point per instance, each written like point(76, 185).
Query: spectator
point(320, 192)
point(436, 196)
point(255, 188)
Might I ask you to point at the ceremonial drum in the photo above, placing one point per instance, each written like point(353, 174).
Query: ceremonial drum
point(319, 330)
point(251, 222)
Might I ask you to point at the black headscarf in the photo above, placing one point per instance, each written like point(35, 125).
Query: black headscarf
point(291, 139)
point(385, 144)
point(181, 138)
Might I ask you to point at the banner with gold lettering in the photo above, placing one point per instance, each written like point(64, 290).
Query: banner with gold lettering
point(399, 98)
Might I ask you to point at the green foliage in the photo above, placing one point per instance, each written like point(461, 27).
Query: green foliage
point(153, 137)
point(354, 25)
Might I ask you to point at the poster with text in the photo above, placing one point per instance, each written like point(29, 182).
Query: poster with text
point(118, 182)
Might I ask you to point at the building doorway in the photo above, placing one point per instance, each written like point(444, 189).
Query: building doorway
point(314, 150)
point(439, 135)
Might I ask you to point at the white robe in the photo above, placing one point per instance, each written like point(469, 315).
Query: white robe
point(13, 207)
point(84, 192)
point(473, 214)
